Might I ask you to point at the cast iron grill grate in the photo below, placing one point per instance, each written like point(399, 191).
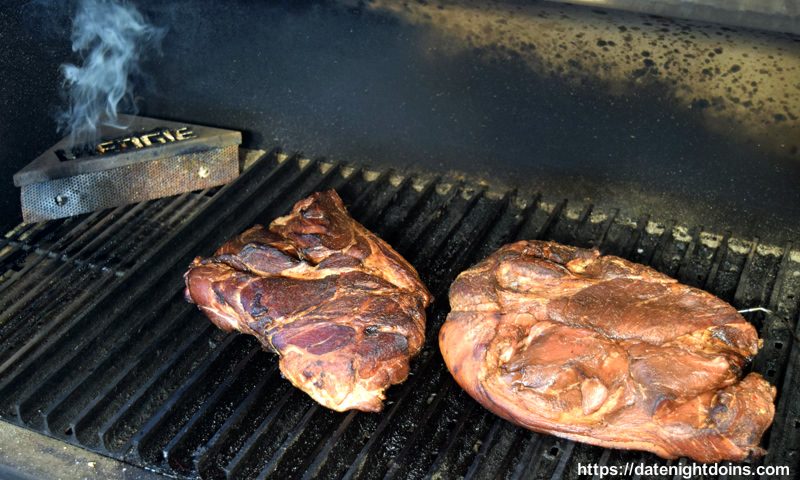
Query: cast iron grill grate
point(98, 347)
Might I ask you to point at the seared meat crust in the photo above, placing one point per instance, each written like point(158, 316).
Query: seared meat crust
point(601, 350)
point(343, 310)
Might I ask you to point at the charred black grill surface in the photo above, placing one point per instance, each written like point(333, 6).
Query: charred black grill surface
point(98, 348)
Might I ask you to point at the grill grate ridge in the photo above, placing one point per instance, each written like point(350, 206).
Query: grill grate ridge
point(173, 393)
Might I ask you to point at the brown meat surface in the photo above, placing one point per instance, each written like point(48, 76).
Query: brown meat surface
point(600, 350)
point(343, 310)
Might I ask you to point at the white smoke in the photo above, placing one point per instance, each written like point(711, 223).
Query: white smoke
point(109, 36)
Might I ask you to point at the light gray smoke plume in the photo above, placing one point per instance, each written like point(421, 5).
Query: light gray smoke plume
point(109, 36)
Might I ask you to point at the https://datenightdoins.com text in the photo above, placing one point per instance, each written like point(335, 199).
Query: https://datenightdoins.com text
point(679, 470)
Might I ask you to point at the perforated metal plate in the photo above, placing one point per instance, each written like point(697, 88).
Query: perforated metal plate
point(64, 197)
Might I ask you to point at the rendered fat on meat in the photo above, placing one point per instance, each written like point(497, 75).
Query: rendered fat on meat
point(344, 311)
point(601, 350)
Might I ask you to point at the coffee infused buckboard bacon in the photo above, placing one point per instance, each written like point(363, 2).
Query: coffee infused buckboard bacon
point(601, 350)
point(343, 310)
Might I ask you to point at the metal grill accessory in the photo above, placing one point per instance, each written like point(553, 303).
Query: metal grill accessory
point(58, 185)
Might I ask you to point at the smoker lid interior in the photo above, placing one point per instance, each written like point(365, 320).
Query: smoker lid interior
point(49, 167)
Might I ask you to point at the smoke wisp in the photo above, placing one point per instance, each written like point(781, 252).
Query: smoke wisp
point(109, 36)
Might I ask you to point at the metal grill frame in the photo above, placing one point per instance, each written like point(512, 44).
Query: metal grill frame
point(174, 394)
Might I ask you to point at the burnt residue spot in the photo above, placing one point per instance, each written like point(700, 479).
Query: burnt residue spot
point(257, 309)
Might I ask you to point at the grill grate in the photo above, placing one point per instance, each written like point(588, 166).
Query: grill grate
point(98, 347)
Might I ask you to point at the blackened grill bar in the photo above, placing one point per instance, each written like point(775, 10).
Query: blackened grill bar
point(124, 367)
point(52, 268)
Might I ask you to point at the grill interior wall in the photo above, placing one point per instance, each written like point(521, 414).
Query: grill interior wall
point(99, 348)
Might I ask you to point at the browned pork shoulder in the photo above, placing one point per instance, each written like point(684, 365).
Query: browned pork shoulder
point(601, 350)
point(343, 310)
